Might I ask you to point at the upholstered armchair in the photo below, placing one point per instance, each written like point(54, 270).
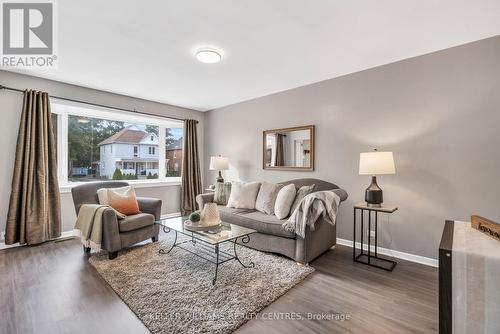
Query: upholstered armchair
point(118, 234)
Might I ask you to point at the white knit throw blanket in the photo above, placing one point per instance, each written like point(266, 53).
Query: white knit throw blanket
point(89, 225)
point(314, 205)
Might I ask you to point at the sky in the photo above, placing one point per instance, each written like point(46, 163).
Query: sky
point(177, 132)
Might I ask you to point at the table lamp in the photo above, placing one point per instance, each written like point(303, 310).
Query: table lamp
point(375, 163)
point(219, 163)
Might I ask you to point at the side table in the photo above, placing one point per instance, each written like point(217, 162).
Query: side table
point(368, 257)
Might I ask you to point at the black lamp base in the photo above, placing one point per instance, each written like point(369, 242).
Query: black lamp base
point(373, 194)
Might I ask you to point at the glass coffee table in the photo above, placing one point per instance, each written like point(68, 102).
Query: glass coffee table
point(206, 245)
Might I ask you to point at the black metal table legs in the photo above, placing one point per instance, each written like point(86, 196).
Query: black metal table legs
point(163, 251)
point(216, 264)
point(244, 240)
point(368, 256)
point(205, 251)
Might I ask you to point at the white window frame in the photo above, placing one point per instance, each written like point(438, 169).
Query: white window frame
point(65, 108)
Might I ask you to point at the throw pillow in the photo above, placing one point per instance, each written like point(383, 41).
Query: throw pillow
point(123, 202)
point(243, 195)
point(284, 201)
point(102, 195)
point(301, 193)
point(222, 192)
point(267, 197)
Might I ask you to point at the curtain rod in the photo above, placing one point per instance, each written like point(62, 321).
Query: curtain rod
point(96, 104)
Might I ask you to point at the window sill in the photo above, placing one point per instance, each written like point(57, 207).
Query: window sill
point(66, 188)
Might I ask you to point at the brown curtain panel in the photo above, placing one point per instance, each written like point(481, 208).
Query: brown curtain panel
point(35, 208)
point(190, 176)
point(280, 150)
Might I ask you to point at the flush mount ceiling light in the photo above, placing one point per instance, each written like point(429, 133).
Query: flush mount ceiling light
point(208, 56)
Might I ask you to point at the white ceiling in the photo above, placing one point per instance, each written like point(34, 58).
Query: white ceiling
point(146, 48)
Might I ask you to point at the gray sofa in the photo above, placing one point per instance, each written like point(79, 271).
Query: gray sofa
point(119, 234)
point(271, 237)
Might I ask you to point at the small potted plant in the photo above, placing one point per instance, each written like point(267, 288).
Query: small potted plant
point(195, 217)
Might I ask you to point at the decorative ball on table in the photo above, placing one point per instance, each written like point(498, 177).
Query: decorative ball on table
point(206, 220)
point(195, 217)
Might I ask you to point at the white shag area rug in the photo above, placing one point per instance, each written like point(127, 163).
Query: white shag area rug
point(173, 293)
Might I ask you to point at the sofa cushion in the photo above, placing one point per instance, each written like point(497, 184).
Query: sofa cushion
point(284, 201)
point(135, 222)
point(267, 197)
point(243, 195)
point(267, 224)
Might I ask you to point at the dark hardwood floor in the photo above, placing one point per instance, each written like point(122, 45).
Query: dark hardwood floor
point(51, 288)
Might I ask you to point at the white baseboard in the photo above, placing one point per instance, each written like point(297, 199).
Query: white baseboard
point(384, 251)
point(68, 234)
point(64, 235)
point(4, 246)
point(389, 252)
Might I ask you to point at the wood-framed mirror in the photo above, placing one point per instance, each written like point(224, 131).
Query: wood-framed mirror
point(288, 148)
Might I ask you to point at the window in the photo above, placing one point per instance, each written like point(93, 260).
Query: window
point(173, 144)
point(103, 144)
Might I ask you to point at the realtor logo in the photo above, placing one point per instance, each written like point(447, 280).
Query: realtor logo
point(28, 34)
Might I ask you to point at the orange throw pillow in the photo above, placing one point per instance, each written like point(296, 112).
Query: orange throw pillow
point(124, 202)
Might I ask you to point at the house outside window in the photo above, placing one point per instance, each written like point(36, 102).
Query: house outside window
point(174, 152)
point(96, 143)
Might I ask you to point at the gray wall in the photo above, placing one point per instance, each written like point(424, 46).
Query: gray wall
point(438, 113)
point(11, 105)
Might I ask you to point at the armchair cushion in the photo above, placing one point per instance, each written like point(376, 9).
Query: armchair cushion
point(134, 222)
point(123, 201)
point(102, 194)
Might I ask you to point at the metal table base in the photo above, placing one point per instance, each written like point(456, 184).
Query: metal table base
point(367, 256)
point(209, 252)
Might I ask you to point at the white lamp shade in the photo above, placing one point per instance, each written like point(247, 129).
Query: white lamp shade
point(376, 163)
point(219, 163)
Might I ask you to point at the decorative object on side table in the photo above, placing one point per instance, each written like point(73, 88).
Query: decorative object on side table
point(488, 227)
point(222, 192)
point(219, 163)
point(368, 257)
point(375, 163)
